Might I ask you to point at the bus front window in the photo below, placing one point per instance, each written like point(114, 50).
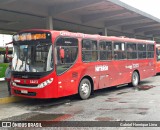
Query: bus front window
point(33, 58)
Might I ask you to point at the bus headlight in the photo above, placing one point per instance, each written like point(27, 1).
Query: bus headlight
point(13, 83)
point(45, 83)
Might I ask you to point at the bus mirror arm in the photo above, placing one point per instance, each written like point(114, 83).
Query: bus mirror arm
point(7, 51)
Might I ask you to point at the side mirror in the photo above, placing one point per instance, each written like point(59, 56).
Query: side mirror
point(9, 52)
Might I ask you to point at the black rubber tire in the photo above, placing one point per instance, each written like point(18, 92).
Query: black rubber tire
point(135, 79)
point(84, 89)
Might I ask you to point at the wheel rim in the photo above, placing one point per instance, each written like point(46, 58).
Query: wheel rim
point(135, 79)
point(85, 89)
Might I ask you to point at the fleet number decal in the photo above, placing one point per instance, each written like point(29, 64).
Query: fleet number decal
point(133, 66)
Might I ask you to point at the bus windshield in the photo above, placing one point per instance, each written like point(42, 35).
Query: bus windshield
point(37, 57)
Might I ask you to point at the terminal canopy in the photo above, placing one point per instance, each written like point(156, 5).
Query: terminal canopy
point(86, 16)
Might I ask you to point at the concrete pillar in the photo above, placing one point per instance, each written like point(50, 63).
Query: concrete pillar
point(153, 38)
point(105, 31)
point(49, 23)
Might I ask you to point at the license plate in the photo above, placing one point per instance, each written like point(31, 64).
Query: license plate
point(24, 91)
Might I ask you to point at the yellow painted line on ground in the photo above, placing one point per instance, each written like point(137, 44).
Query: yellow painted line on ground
point(10, 99)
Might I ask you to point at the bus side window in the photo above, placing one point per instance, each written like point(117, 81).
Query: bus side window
point(94, 51)
point(131, 51)
point(141, 51)
point(119, 51)
point(89, 50)
point(109, 50)
point(103, 54)
point(150, 51)
point(105, 48)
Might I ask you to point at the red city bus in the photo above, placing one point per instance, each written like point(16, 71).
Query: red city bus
point(158, 58)
point(53, 64)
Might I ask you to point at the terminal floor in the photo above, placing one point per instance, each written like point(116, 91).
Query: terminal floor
point(3, 89)
point(4, 95)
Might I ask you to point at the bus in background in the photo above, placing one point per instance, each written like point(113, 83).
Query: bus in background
point(53, 64)
point(158, 58)
point(5, 53)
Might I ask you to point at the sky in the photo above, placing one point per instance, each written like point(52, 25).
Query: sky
point(149, 6)
point(5, 39)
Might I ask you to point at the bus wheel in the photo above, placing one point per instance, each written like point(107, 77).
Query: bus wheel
point(135, 79)
point(84, 89)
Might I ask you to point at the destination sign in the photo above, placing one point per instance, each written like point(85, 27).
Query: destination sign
point(31, 36)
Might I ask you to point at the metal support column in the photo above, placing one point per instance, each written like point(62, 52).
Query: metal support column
point(153, 38)
point(105, 31)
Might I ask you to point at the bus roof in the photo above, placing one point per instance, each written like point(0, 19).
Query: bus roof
point(91, 36)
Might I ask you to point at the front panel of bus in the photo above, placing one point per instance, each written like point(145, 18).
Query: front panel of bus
point(33, 65)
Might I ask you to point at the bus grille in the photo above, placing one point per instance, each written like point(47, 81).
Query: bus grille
point(26, 85)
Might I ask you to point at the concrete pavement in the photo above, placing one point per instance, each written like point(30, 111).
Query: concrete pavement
point(4, 95)
point(115, 104)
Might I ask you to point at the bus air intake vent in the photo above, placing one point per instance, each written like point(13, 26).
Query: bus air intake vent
point(26, 85)
point(74, 75)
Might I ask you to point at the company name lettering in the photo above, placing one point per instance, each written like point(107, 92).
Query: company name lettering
point(101, 68)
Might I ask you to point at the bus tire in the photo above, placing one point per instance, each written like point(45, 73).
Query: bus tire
point(84, 89)
point(135, 79)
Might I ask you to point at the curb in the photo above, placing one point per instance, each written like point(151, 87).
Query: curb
point(10, 99)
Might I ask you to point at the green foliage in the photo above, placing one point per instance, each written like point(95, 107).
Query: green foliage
point(3, 67)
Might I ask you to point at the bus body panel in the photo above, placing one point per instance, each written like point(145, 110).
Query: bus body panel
point(158, 67)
